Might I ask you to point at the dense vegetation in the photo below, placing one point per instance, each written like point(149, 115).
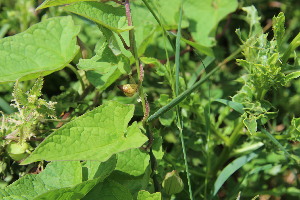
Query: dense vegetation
point(162, 99)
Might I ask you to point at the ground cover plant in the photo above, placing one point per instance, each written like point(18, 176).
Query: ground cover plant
point(163, 99)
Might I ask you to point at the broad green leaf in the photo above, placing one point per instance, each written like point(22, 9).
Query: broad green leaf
point(145, 195)
point(56, 175)
point(234, 105)
point(70, 193)
point(109, 190)
point(203, 28)
point(133, 162)
point(105, 65)
point(96, 135)
point(96, 169)
point(133, 183)
point(40, 50)
point(230, 169)
point(113, 18)
point(97, 172)
point(49, 3)
point(102, 81)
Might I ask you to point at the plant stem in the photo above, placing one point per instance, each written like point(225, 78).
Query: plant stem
point(71, 67)
point(140, 71)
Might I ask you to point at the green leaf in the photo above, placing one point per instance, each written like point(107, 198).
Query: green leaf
point(145, 195)
point(292, 76)
point(95, 169)
point(200, 48)
point(109, 190)
point(133, 162)
point(157, 147)
point(70, 193)
point(253, 20)
point(40, 50)
point(251, 125)
point(292, 46)
point(96, 135)
point(56, 175)
point(5, 106)
point(113, 18)
point(133, 183)
point(230, 169)
point(49, 3)
point(212, 12)
point(234, 105)
point(106, 65)
point(278, 28)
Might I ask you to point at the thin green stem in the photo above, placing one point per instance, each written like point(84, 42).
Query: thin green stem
point(71, 67)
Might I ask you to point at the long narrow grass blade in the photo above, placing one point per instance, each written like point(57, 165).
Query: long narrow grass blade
point(273, 139)
point(182, 96)
point(206, 62)
point(179, 117)
point(230, 169)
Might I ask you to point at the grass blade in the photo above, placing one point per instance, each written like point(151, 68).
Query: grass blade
point(206, 62)
point(179, 117)
point(230, 169)
point(273, 139)
point(182, 96)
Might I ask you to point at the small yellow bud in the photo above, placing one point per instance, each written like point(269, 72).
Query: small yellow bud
point(129, 89)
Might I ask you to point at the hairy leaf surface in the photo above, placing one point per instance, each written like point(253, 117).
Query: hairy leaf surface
point(96, 135)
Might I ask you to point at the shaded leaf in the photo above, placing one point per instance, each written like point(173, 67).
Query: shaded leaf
point(109, 190)
point(133, 162)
